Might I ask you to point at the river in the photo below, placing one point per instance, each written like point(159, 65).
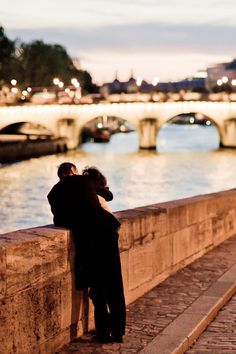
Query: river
point(188, 162)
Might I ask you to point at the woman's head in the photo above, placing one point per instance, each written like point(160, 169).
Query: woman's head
point(96, 175)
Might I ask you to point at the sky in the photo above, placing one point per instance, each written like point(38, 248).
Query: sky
point(169, 39)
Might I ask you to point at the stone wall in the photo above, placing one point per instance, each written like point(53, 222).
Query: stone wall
point(40, 310)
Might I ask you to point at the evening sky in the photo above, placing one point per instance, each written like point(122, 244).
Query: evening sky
point(170, 39)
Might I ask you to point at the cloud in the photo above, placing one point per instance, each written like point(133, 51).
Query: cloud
point(157, 37)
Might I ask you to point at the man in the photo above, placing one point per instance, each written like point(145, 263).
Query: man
point(75, 205)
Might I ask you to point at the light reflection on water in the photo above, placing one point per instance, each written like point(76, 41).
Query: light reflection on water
point(187, 163)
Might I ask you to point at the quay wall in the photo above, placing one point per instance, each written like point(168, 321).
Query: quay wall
point(11, 151)
point(39, 307)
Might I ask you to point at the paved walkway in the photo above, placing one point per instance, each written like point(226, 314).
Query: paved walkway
point(220, 335)
point(172, 315)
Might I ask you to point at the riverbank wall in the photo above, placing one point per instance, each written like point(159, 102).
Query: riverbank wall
point(12, 151)
point(40, 309)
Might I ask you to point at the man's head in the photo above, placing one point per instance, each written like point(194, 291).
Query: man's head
point(67, 169)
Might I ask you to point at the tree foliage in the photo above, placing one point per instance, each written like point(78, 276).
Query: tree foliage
point(35, 64)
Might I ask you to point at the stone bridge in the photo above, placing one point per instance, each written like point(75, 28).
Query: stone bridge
point(147, 118)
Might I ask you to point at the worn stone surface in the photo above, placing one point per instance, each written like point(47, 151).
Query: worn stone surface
point(35, 261)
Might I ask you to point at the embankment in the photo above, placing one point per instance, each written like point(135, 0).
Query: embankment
point(11, 151)
point(40, 310)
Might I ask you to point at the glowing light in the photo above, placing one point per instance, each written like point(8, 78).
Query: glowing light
point(77, 84)
point(13, 82)
point(67, 90)
point(99, 125)
point(74, 81)
point(233, 82)
point(29, 89)
point(208, 122)
point(155, 81)
point(219, 82)
point(24, 93)
point(14, 90)
point(139, 81)
point(191, 120)
point(225, 79)
point(61, 84)
point(56, 81)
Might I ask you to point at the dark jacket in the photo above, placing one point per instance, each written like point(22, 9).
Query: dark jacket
point(74, 203)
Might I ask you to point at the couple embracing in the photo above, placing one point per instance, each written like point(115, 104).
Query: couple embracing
point(78, 202)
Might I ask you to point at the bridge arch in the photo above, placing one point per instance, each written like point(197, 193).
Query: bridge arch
point(192, 118)
point(111, 123)
point(29, 129)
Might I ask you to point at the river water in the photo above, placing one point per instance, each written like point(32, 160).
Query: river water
point(188, 162)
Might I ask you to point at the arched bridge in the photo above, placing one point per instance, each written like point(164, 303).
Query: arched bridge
point(69, 120)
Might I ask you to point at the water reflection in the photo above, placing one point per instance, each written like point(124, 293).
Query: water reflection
point(187, 163)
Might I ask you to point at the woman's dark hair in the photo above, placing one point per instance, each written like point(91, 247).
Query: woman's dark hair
point(64, 169)
point(96, 175)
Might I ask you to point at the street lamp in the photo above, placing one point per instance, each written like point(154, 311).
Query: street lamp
point(13, 82)
point(56, 81)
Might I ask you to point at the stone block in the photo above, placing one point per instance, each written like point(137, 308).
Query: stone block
point(126, 235)
point(177, 218)
point(29, 318)
point(140, 265)
point(71, 301)
point(224, 226)
point(124, 257)
point(196, 211)
point(204, 234)
point(185, 244)
point(162, 254)
point(35, 260)
point(3, 271)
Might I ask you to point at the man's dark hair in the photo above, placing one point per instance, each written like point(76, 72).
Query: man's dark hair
point(65, 169)
point(96, 175)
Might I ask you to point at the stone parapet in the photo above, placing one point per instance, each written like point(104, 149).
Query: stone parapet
point(40, 309)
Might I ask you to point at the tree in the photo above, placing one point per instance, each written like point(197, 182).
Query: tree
point(42, 62)
point(8, 60)
point(36, 64)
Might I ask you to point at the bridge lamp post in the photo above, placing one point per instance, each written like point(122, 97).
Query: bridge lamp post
point(225, 79)
point(56, 82)
point(233, 84)
point(139, 83)
point(219, 83)
point(77, 94)
point(155, 82)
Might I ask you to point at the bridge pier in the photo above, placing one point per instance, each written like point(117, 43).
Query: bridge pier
point(66, 128)
point(228, 136)
point(147, 132)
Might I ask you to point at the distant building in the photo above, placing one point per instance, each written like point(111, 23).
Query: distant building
point(222, 76)
point(132, 86)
